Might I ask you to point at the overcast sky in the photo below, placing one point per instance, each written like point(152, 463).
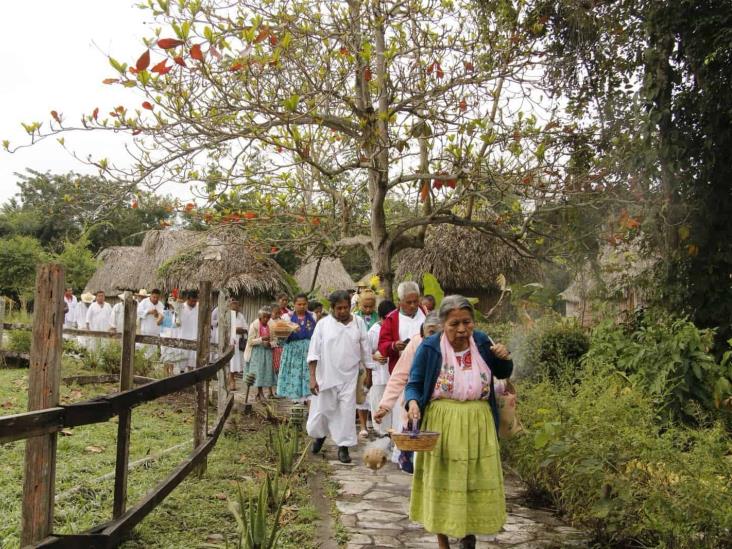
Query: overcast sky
point(54, 58)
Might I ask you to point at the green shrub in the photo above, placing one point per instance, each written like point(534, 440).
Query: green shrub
point(596, 449)
point(670, 359)
point(108, 357)
point(553, 348)
point(20, 341)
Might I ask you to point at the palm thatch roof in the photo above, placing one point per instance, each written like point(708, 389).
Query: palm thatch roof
point(116, 272)
point(332, 276)
point(226, 258)
point(177, 258)
point(464, 259)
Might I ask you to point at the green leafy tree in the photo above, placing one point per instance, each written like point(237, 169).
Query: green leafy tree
point(78, 262)
point(328, 111)
point(19, 258)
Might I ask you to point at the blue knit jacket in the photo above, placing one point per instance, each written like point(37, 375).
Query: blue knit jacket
point(427, 366)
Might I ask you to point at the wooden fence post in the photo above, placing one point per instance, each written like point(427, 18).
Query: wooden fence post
point(126, 376)
point(204, 346)
point(2, 318)
point(43, 383)
point(224, 329)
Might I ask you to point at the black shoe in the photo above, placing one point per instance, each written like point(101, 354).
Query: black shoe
point(318, 444)
point(343, 456)
point(468, 542)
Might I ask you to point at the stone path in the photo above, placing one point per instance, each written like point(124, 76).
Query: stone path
point(375, 506)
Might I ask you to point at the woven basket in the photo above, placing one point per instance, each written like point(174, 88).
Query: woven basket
point(424, 441)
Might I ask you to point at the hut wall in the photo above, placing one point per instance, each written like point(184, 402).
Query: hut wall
point(250, 306)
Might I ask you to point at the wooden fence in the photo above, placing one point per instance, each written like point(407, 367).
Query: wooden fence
point(46, 417)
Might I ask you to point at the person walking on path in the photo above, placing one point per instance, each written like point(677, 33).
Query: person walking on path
point(188, 327)
point(258, 355)
point(401, 325)
point(366, 311)
point(293, 381)
point(391, 405)
point(379, 369)
point(150, 315)
point(238, 331)
point(338, 348)
point(71, 302)
point(98, 318)
point(458, 487)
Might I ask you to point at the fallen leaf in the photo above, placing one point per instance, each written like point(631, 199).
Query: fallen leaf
point(94, 449)
point(7, 404)
point(66, 432)
point(221, 496)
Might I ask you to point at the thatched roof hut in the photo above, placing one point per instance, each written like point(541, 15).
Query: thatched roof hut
point(225, 258)
point(117, 271)
point(332, 276)
point(466, 261)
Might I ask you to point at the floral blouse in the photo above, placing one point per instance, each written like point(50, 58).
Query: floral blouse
point(467, 381)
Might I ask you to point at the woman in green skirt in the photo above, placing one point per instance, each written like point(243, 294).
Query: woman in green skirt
point(258, 355)
point(457, 489)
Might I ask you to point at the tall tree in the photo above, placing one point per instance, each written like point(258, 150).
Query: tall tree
point(334, 110)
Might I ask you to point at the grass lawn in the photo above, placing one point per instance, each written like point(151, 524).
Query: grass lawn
point(194, 512)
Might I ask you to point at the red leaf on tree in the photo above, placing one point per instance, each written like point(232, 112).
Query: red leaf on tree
point(179, 61)
point(120, 109)
point(437, 184)
point(463, 105)
point(274, 249)
point(165, 70)
point(55, 116)
point(452, 183)
point(468, 66)
point(196, 52)
point(147, 105)
point(315, 221)
point(250, 215)
point(110, 81)
point(190, 206)
point(431, 68)
point(273, 40)
point(424, 191)
point(133, 70)
point(134, 205)
point(263, 33)
point(279, 149)
point(440, 72)
point(95, 113)
point(160, 67)
point(235, 67)
point(214, 52)
point(344, 51)
point(367, 74)
point(138, 131)
point(144, 61)
point(169, 43)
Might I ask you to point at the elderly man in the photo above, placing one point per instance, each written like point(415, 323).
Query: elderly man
point(70, 308)
point(338, 348)
point(402, 324)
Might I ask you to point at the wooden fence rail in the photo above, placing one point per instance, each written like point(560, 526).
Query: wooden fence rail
point(46, 416)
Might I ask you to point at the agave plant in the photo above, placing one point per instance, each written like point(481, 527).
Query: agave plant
point(251, 514)
point(249, 380)
point(286, 443)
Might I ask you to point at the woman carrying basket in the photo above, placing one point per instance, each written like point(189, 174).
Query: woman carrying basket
point(458, 487)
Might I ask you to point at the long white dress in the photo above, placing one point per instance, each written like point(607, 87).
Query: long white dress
point(379, 379)
point(98, 318)
point(70, 316)
point(339, 350)
point(117, 321)
point(80, 323)
point(188, 318)
point(237, 361)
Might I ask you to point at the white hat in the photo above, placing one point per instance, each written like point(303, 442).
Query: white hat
point(143, 293)
point(121, 296)
point(87, 298)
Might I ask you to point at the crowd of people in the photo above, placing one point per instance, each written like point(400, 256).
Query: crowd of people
point(401, 364)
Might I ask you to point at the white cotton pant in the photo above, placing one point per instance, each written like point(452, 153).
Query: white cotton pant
point(333, 413)
point(375, 395)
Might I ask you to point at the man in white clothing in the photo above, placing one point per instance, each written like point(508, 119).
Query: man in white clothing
point(188, 319)
point(71, 302)
point(117, 322)
point(338, 348)
point(150, 314)
point(98, 319)
point(238, 330)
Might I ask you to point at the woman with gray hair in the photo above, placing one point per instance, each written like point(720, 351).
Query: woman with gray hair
point(401, 325)
point(458, 487)
point(258, 354)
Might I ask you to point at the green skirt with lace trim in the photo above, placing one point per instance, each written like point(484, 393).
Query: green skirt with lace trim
point(458, 487)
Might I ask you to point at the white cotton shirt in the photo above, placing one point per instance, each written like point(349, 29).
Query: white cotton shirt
point(98, 317)
point(379, 372)
point(148, 323)
point(408, 326)
point(339, 349)
point(118, 317)
point(80, 315)
point(70, 316)
point(189, 322)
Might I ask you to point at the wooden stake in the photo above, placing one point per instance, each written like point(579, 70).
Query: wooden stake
point(43, 383)
point(200, 425)
point(126, 377)
point(2, 318)
point(224, 331)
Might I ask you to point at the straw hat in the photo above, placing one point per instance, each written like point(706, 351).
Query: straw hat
point(121, 296)
point(87, 298)
point(143, 293)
